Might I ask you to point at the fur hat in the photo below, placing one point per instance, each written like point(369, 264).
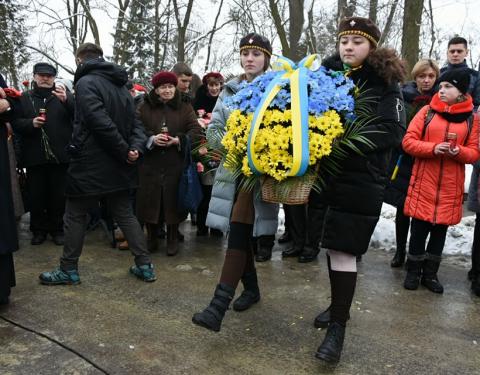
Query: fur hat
point(460, 78)
point(215, 75)
point(256, 41)
point(164, 77)
point(360, 26)
point(44, 68)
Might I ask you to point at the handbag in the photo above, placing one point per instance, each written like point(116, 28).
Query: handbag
point(189, 189)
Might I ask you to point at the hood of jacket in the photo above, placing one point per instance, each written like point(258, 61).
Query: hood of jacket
point(99, 67)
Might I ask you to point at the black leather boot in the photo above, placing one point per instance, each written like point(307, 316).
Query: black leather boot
point(476, 286)
point(412, 279)
point(398, 259)
point(331, 348)
point(429, 277)
point(211, 318)
point(323, 319)
point(250, 294)
point(308, 254)
point(172, 239)
point(264, 246)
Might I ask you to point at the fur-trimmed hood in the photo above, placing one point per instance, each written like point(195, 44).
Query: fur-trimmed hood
point(382, 64)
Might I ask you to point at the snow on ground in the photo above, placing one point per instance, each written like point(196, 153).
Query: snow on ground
point(459, 237)
point(458, 242)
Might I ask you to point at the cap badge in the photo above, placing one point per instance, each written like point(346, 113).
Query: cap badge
point(352, 23)
point(250, 41)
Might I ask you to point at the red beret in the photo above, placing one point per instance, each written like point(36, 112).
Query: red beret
point(164, 77)
point(211, 75)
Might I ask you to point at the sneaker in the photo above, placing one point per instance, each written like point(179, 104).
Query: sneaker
point(144, 272)
point(59, 276)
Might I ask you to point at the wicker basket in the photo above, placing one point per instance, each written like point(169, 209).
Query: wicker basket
point(296, 193)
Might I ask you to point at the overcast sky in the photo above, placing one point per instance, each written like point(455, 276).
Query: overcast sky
point(453, 17)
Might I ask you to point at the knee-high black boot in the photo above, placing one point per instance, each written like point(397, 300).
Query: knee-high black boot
point(250, 294)
point(343, 289)
point(211, 318)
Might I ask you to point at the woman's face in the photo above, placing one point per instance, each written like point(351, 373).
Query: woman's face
point(448, 93)
point(166, 91)
point(252, 61)
point(214, 88)
point(353, 49)
point(425, 80)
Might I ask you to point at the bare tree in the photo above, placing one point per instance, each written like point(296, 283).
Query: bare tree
point(182, 27)
point(120, 34)
point(388, 24)
point(412, 20)
point(372, 10)
point(212, 33)
point(345, 8)
point(91, 21)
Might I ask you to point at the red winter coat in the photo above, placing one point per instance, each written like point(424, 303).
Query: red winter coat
point(435, 193)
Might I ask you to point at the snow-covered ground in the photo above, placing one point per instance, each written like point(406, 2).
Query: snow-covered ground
point(459, 237)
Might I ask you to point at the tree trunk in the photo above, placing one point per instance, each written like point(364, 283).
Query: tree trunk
point(282, 33)
point(345, 9)
point(312, 40)
point(412, 20)
point(372, 10)
point(91, 21)
point(182, 28)
point(120, 34)
point(296, 22)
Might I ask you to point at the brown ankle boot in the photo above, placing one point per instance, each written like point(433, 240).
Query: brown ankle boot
point(172, 239)
point(152, 240)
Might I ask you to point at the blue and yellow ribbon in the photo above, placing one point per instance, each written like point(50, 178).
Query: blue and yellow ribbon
point(297, 75)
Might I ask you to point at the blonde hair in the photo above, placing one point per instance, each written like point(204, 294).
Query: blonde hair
point(423, 65)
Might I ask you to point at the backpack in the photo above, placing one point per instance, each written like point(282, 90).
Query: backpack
point(428, 118)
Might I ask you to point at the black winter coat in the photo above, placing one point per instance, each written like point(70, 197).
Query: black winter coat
point(58, 127)
point(396, 190)
point(203, 100)
point(105, 129)
point(347, 210)
point(8, 225)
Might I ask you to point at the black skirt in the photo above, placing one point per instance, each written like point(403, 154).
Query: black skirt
point(7, 275)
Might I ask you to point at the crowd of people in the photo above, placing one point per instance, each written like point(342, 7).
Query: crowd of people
point(113, 144)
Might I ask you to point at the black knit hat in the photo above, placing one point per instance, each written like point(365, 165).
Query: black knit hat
point(256, 41)
point(360, 26)
point(460, 78)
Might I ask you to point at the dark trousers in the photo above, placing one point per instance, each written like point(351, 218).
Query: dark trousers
point(297, 215)
point(202, 209)
point(46, 194)
point(419, 231)
point(402, 225)
point(120, 208)
point(7, 275)
point(476, 246)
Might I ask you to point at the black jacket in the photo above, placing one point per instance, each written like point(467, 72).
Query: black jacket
point(58, 127)
point(8, 225)
point(203, 100)
point(396, 190)
point(347, 210)
point(105, 129)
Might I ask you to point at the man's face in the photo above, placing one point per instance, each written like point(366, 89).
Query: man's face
point(456, 53)
point(44, 80)
point(184, 82)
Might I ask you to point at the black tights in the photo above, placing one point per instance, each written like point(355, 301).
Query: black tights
point(418, 238)
point(402, 225)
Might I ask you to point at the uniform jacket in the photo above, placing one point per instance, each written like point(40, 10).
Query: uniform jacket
point(105, 129)
point(349, 207)
point(436, 187)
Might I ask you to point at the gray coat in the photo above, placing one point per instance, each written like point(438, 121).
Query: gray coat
point(224, 187)
point(472, 202)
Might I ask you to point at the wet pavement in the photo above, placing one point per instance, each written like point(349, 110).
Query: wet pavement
point(113, 323)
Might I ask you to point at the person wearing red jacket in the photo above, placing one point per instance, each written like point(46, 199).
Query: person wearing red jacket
point(441, 147)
